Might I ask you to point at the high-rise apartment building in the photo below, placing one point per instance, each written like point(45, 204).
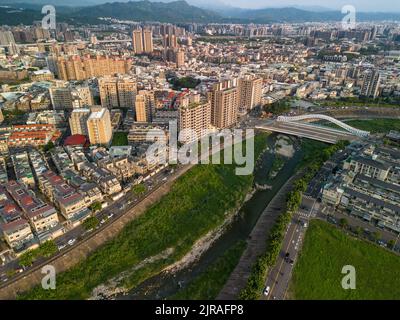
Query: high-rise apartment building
point(137, 41)
point(61, 98)
point(81, 68)
point(99, 126)
point(147, 41)
point(6, 38)
point(224, 98)
point(117, 92)
point(82, 97)
point(195, 116)
point(144, 104)
point(250, 91)
point(180, 58)
point(370, 86)
point(108, 92)
point(78, 121)
point(70, 97)
point(142, 41)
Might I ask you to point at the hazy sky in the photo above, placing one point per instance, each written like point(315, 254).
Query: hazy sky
point(362, 5)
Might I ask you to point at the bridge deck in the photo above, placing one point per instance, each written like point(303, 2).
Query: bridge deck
point(324, 134)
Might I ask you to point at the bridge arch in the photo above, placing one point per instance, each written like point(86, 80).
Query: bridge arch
point(352, 130)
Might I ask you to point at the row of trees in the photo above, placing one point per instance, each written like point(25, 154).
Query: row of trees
point(375, 236)
point(45, 250)
point(259, 271)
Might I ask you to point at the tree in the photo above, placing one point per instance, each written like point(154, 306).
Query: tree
point(95, 206)
point(47, 249)
point(90, 223)
point(50, 145)
point(139, 189)
point(358, 231)
point(376, 236)
point(27, 258)
point(343, 223)
point(391, 244)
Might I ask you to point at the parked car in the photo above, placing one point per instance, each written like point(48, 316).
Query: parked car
point(266, 291)
point(71, 242)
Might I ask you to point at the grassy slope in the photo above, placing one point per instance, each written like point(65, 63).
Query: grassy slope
point(326, 250)
point(207, 285)
point(376, 125)
point(197, 203)
point(372, 125)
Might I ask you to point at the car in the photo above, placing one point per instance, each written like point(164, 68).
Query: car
point(266, 291)
point(305, 224)
point(382, 243)
point(62, 246)
point(287, 255)
point(110, 215)
point(291, 261)
point(102, 221)
point(71, 242)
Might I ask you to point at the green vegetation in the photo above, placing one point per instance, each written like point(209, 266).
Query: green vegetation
point(326, 249)
point(277, 165)
point(12, 115)
point(209, 283)
point(376, 125)
point(198, 202)
point(46, 250)
point(371, 125)
point(95, 206)
point(185, 82)
point(139, 189)
point(278, 107)
point(90, 223)
point(49, 146)
point(120, 139)
point(361, 101)
point(260, 269)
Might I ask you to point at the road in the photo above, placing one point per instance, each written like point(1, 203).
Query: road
point(333, 216)
point(279, 277)
point(113, 211)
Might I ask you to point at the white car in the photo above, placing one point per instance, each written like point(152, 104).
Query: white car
point(62, 246)
point(266, 291)
point(71, 242)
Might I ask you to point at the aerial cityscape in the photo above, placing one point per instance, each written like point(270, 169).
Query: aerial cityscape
point(200, 150)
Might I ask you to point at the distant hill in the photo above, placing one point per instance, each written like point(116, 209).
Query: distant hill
point(172, 11)
point(273, 15)
point(11, 16)
point(176, 11)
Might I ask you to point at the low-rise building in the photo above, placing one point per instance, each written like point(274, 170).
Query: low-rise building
point(41, 216)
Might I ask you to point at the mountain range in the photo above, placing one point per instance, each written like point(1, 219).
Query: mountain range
point(86, 11)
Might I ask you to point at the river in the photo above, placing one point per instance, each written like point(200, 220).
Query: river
point(165, 285)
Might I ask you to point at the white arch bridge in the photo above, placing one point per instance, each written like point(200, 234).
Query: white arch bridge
point(300, 126)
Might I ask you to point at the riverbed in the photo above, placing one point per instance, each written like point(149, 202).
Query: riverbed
point(167, 284)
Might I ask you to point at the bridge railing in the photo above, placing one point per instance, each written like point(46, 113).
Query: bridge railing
point(352, 130)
